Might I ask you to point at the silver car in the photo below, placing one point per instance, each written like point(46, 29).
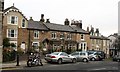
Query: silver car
point(81, 56)
point(93, 55)
point(59, 57)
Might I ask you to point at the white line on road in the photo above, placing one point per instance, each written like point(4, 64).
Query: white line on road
point(99, 69)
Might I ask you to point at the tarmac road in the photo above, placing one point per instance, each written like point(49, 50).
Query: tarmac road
point(109, 66)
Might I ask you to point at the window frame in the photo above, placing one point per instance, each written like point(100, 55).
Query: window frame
point(82, 36)
point(53, 35)
point(9, 33)
point(36, 47)
point(24, 23)
point(36, 34)
point(9, 20)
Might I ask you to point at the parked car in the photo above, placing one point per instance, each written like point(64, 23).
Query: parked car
point(116, 58)
point(96, 55)
point(93, 56)
point(59, 57)
point(81, 56)
point(101, 54)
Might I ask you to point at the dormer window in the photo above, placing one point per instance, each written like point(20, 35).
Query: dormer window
point(12, 20)
point(23, 23)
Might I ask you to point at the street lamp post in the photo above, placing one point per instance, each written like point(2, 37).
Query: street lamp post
point(17, 60)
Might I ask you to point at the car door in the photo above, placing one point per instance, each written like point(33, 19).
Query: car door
point(76, 54)
point(82, 55)
point(65, 57)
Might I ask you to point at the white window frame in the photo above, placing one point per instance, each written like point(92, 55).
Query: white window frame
point(15, 34)
point(104, 42)
point(62, 35)
point(70, 45)
point(24, 23)
point(15, 42)
point(9, 20)
point(37, 44)
point(37, 34)
point(69, 36)
point(53, 35)
point(81, 36)
point(83, 46)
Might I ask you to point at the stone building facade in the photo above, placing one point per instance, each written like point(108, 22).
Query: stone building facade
point(30, 34)
point(98, 41)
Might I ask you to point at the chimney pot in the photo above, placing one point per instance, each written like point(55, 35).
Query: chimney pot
point(88, 29)
point(47, 21)
point(31, 19)
point(42, 18)
point(66, 22)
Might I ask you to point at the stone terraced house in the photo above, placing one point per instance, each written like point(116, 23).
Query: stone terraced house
point(30, 34)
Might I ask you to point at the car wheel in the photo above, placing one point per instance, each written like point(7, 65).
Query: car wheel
point(93, 59)
point(29, 63)
point(118, 60)
point(59, 61)
point(85, 60)
point(74, 60)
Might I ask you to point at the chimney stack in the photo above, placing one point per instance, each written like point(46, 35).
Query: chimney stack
point(88, 29)
point(80, 22)
point(47, 21)
point(42, 18)
point(31, 19)
point(66, 22)
point(72, 22)
point(97, 31)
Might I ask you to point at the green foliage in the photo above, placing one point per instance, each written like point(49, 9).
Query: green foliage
point(6, 42)
point(8, 55)
point(12, 45)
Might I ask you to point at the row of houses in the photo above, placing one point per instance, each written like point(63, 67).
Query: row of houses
point(29, 34)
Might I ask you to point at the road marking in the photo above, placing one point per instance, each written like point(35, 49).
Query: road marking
point(10, 68)
point(99, 69)
point(115, 67)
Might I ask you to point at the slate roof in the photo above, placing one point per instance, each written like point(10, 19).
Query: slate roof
point(79, 30)
point(105, 38)
point(95, 37)
point(58, 27)
point(36, 25)
point(99, 37)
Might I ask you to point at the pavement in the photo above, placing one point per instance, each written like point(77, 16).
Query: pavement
point(12, 65)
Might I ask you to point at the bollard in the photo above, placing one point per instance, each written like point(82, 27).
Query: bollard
point(17, 60)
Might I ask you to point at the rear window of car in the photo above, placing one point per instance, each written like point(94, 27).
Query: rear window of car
point(55, 53)
point(90, 52)
point(82, 53)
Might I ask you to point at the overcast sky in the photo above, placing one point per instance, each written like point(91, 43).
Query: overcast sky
point(102, 14)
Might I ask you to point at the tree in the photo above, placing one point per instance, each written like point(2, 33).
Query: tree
point(116, 44)
point(6, 42)
point(12, 45)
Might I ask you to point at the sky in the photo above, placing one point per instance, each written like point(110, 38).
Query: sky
point(102, 14)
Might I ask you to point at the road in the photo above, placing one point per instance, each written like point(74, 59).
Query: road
point(90, 66)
